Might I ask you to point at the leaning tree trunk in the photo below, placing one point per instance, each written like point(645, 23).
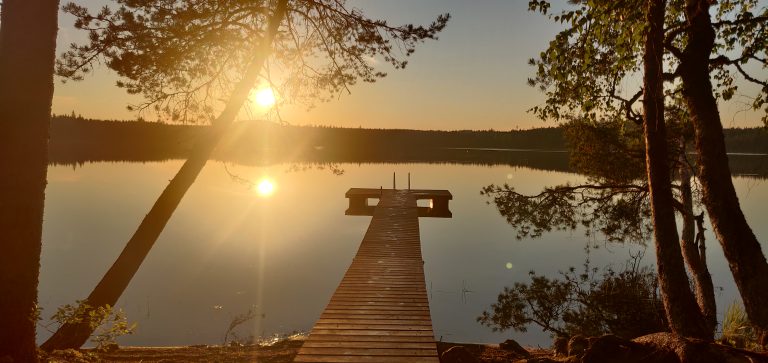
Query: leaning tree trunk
point(740, 245)
point(682, 312)
point(27, 53)
point(114, 282)
point(694, 258)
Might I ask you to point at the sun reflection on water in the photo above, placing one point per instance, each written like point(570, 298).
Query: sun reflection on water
point(265, 187)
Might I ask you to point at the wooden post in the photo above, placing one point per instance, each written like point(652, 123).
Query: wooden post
point(409, 181)
point(394, 187)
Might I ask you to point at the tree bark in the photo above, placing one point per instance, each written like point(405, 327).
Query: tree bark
point(682, 312)
point(117, 278)
point(740, 245)
point(27, 52)
point(696, 262)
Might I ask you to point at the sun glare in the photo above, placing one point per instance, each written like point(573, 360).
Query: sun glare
point(265, 97)
point(265, 188)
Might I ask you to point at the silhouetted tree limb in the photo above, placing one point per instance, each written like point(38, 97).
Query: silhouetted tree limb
point(183, 56)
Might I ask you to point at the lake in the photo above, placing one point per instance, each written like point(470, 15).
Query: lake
point(230, 248)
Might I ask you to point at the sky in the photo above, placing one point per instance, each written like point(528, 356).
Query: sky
point(473, 77)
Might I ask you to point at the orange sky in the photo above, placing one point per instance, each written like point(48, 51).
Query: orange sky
point(474, 77)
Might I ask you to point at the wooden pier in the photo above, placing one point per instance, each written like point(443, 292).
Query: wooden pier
point(438, 201)
point(380, 311)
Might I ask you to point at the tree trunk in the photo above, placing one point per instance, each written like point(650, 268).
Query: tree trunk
point(704, 290)
point(740, 246)
point(682, 312)
point(27, 52)
point(114, 282)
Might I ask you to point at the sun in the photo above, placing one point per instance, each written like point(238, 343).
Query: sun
point(265, 97)
point(265, 188)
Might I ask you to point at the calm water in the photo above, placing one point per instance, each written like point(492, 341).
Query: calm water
point(228, 249)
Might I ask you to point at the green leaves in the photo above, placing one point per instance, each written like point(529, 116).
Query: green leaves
point(585, 69)
point(581, 68)
point(741, 49)
point(539, 6)
point(107, 323)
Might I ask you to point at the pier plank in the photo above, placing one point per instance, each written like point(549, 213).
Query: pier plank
point(380, 310)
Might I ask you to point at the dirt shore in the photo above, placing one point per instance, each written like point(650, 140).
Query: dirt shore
point(281, 352)
point(652, 348)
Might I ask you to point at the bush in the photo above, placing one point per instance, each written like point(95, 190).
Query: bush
point(624, 303)
point(737, 330)
point(108, 323)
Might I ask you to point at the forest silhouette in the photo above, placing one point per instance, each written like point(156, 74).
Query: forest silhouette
point(75, 141)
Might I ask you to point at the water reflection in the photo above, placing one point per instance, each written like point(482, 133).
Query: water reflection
point(286, 254)
point(265, 187)
point(619, 300)
point(331, 156)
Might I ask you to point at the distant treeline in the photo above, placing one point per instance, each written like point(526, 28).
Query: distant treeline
point(76, 141)
point(747, 140)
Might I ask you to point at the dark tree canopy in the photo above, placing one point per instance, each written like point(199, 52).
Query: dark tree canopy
point(582, 68)
point(584, 71)
point(184, 56)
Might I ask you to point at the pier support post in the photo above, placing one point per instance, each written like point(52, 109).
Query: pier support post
point(409, 181)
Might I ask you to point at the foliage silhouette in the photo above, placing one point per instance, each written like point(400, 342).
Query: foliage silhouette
point(107, 322)
point(183, 56)
point(613, 202)
point(592, 303)
point(583, 69)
